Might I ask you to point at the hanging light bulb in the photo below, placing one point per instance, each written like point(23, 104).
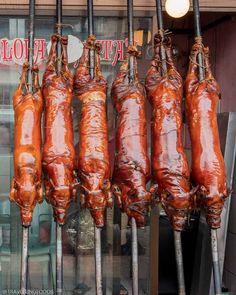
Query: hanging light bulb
point(177, 8)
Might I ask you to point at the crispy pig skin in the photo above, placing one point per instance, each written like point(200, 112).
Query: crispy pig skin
point(93, 155)
point(26, 188)
point(132, 167)
point(170, 170)
point(59, 160)
point(208, 168)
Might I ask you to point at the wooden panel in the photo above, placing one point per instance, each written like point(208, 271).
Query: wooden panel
point(147, 5)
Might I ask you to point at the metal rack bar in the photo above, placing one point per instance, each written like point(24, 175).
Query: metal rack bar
point(24, 260)
point(31, 41)
point(59, 261)
point(25, 229)
point(201, 73)
point(59, 228)
point(177, 235)
point(197, 28)
point(179, 262)
point(91, 32)
point(130, 17)
point(161, 31)
point(97, 231)
point(130, 37)
point(134, 258)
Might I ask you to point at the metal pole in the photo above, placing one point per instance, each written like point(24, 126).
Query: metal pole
point(97, 231)
point(179, 262)
point(133, 222)
point(161, 28)
point(131, 37)
point(98, 260)
point(25, 229)
point(201, 72)
point(91, 32)
point(215, 261)
point(31, 41)
point(59, 32)
point(198, 34)
point(59, 255)
point(134, 258)
point(177, 235)
point(59, 261)
point(24, 260)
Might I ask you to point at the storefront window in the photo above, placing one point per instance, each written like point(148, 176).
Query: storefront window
point(78, 241)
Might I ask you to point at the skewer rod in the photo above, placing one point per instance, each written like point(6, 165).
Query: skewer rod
point(198, 34)
point(97, 231)
point(131, 37)
point(31, 41)
point(98, 260)
point(134, 258)
point(59, 32)
point(91, 32)
point(215, 260)
point(179, 262)
point(161, 27)
point(24, 260)
point(59, 261)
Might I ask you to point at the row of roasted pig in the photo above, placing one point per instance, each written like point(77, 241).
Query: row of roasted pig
point(64, 176)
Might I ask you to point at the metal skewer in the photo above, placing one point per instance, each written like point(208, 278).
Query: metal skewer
point(177, 234)
point(133, 221)
point(179, 262)
point(25, 229)
point(24, 260)
point(97, 231)
point(161, 31)
point(59, 227)
point(214, 242)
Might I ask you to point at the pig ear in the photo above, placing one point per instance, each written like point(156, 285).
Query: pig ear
point(12, 193)
point(40, 193)
point(106, 185)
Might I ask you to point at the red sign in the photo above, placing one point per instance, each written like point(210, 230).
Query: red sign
point(15, 52)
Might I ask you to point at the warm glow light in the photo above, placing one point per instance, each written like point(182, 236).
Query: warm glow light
point(177, 8)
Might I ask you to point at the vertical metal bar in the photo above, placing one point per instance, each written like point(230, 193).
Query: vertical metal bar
point(131, 37)
point(98, 260)
point(215, 261)
point(134, 257)
point(59, 32)
point(31, 41)
point(59, 255)
point(160, 28)
point(179, 262)
point(91, 32)
point(197, 28)
point(97, 231)
point(154, 251)
point(133, 222)
point(201, 72)
point(59, 261)
point(24, 260)
point(25, 230)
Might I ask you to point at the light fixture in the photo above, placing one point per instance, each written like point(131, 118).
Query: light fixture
point(177, 8)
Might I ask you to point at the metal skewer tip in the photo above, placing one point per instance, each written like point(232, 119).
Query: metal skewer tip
point(215, 261)
point(179, 262)
point(134, 257)
point(98, 260)
point(59, 261)
point(24, 260)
